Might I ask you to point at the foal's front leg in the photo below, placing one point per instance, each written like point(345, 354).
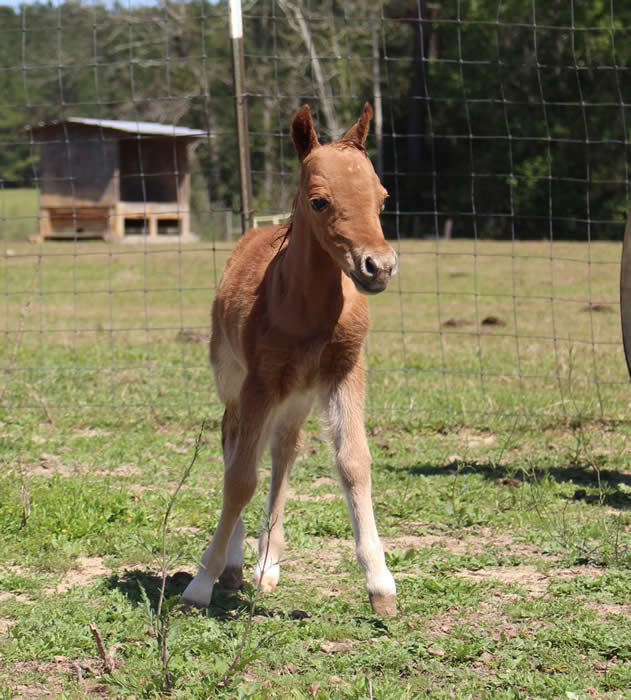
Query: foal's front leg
point(344, 409)
point(239, 486)
point(231, 577)
point(284, 445)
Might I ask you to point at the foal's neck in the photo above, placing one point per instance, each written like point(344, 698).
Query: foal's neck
point(308, 287)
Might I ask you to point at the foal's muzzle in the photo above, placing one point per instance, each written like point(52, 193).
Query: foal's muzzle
point(372, 271)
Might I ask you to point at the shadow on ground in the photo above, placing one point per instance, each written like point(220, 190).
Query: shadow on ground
point(226, 604)
point(584, 475)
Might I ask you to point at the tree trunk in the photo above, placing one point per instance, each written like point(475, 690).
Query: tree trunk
point(294, 12)
point(376, 87)
point(268, 151)
point(416, 117)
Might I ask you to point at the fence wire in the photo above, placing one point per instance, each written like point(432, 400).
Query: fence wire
point(500, 131)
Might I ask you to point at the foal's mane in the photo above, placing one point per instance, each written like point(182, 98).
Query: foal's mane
point(284, 235)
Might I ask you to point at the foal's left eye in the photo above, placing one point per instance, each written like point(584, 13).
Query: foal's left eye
point(319, 204)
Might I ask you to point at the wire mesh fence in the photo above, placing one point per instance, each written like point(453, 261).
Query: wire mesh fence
point(500, 131)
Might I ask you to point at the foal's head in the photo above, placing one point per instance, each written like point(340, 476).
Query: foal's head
point(341, 198)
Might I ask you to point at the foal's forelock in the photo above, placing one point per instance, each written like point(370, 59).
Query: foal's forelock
point(350, 143)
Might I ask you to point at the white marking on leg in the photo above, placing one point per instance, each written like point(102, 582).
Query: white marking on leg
point(370, 554)
point(344, 410)
point(199, 591)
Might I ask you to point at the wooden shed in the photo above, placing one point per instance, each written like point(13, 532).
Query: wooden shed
point(113, 178)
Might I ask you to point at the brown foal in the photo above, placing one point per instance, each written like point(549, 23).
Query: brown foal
point(289, 322)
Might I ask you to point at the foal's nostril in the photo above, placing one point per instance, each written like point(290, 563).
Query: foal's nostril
point(370, 267)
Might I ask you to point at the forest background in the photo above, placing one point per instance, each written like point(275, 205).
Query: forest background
point(497, 119)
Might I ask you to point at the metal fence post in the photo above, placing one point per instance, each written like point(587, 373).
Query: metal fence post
point(241, 111)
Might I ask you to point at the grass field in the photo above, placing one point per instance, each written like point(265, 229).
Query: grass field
point(497, 415)
point(19, 213)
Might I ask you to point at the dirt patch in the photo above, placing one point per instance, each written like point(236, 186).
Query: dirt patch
point(529, 577)
point(592, 571)
point(52, 677)
point(5, 623)
point(338, 647)
point(86, 569)
point(487, 616)
point(607, 609)
point(481, 541)
point(492, 321)
point(50, 465)
point(456, 323)
point(474, 440)
point(127, 469)
point(5, 595)
point(417, 542)
point(526, 576)
point(325, 481)
point(598, 308)
point(188, 529)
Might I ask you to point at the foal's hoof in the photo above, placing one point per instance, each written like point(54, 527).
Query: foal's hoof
point(266, 580)
point(198, 593)
point(267, 585)
point(232, 578)
point(385, 605)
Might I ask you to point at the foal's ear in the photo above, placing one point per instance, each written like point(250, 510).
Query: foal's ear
point(302, 132)
point(359, 131)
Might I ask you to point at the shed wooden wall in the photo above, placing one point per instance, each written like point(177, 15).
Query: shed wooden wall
point(153, 169)
point(78, 167)
point(95, 179)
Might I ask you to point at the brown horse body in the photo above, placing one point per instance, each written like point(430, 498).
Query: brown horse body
point(289, 321)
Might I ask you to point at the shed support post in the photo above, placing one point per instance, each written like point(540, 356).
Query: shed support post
point(241, 111)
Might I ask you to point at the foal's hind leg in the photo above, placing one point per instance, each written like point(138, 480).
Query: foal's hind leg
point(285, 443)
point(344, 408)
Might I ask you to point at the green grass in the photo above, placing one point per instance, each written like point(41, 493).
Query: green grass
point(501, 485)
point(19, 214)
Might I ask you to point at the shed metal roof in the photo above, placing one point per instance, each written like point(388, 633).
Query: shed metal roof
point(133, 127)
